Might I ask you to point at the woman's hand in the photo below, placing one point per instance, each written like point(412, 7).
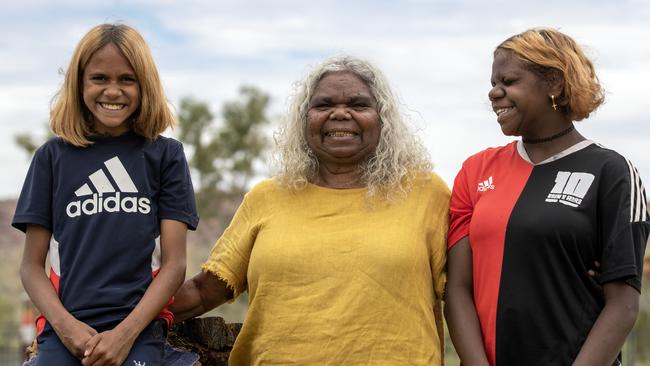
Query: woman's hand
point(595, 272)
point(109, 348)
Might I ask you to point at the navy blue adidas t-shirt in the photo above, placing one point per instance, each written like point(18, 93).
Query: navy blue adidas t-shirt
point(103, 204)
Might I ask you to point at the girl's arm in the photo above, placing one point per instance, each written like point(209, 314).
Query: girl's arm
point(460, 312)
point(113, 346)
point(606, 337)
point(72, 333)
point(198, 295)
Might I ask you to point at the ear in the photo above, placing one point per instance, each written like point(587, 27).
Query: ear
point(555, 83)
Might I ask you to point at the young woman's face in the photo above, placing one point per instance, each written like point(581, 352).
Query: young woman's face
point(111, 90)
point(342, 121)
point(520, 98)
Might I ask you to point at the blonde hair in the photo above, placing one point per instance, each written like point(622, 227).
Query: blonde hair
point(547, 52)
point(388, 171)
point(70, 118)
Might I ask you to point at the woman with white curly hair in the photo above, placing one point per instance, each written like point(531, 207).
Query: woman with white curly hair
point(343, 251)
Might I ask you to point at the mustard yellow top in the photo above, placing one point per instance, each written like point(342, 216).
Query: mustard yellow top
point(334, 281)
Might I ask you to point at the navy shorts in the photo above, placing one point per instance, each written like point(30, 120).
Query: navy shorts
point(148, 348)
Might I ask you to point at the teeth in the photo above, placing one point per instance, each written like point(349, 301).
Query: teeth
point(112, 106)
point(502, 110)
point(340, 133)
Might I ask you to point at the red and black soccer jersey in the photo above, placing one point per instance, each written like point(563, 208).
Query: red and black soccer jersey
point(535, 230)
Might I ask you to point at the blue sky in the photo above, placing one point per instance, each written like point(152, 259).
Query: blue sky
point(437, 55)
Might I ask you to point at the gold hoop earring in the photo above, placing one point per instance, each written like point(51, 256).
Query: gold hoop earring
point(553, 101)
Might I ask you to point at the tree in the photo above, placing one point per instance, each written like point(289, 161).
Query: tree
point(223, 157)
point(241, 139)
point(194, 119)
point(27, 142)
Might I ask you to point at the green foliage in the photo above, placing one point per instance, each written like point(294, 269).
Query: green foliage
point(25, 141)
point(12, 292)
point(29, 143)
point(636, 351)
point(223, 157)
point(241, 140)
point(8, 322)
point(194, 118)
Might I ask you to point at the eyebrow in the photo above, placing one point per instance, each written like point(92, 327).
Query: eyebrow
point(505, 74)
point(352, 99)
point(362, 98)
point(102, 73)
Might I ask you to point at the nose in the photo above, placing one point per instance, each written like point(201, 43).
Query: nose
point(495, 93)
point(340, 113)
point(112, 90)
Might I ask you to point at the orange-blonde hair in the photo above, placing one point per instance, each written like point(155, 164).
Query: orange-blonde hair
point(548, 51)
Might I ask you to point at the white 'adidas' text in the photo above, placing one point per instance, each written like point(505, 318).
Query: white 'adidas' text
point(107, 198)
point(97, 204)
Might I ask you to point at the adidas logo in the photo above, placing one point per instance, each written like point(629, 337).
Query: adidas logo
point(485, 185)
point(107, 198)
point(138, 363)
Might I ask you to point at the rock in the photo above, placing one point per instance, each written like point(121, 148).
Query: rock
point(211, 338)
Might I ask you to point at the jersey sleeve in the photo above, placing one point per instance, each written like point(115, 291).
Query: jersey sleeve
point(624, 224)
point(461, 209)
point(34, 205)
point(230, 255)
point(176, 201)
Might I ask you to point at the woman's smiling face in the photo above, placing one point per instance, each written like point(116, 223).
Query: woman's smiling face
point(343, 125)
point(519, 97)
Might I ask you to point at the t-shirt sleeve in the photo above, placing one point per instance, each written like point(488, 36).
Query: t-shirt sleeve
point(439, 237)
point(34, 205)
point(461, 209)
point(625, 224)
point(230, 255)
point(176, 201)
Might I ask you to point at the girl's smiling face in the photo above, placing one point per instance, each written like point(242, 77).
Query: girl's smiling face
point(111, 91)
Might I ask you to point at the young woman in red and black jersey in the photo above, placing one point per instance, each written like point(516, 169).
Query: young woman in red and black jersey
point(530, 218)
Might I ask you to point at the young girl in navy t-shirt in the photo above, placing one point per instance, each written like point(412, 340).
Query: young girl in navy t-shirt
point(111, 201)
